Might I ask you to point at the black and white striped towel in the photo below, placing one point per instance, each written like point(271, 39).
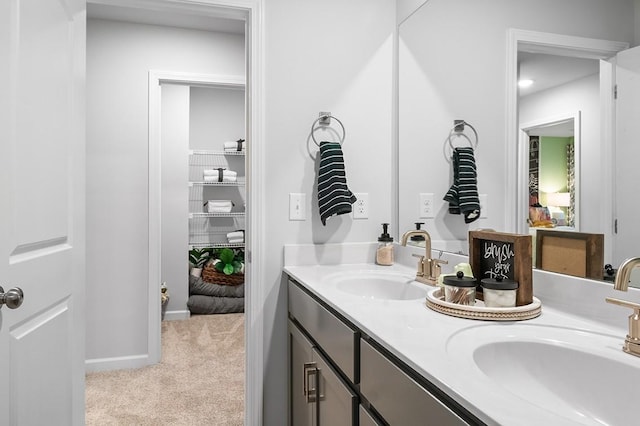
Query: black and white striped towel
point(334, 197)
point(463, 194)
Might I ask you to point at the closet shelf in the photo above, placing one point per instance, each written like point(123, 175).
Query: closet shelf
point(232, 214)
point(216, 183)
point(206, 152)
point(216, 245)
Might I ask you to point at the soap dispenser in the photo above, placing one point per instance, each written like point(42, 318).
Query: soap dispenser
point(418, 240)
point(384, 253)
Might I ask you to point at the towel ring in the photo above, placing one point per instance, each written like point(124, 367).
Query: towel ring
point(322, 117)
point(461, 135)
point(455, 132)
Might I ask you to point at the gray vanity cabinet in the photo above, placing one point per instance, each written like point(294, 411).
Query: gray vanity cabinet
point(367, 419)
point(317, 393)
point(338, 378)
point(398, 398)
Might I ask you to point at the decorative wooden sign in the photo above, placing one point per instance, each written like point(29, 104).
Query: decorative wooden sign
point(494, 254)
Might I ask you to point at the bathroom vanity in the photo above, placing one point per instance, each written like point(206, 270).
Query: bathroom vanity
point(364, 349)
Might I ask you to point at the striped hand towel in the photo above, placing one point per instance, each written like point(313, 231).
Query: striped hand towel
point(334, 197)
point(463, 194)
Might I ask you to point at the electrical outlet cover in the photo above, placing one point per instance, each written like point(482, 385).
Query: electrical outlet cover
point(426, 208)
point(361, 206)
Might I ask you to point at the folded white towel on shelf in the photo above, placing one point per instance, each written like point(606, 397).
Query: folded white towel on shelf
point(216, 172)
point(235, 234)
point(234, 145)
point(228, 179)
point(218, 209)
point(236, 240)
point(219, 203)
point(218, 206)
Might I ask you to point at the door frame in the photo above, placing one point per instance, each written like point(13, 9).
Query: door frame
point(516, 177)
point(252, 12)
point(156, 79)
point(523, 149)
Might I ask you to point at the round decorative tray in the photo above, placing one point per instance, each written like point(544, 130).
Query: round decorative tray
point(435, 301)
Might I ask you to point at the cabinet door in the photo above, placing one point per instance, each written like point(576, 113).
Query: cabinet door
point(337, 404)
point(302, 410)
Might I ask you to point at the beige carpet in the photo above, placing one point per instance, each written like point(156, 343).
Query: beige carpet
point(200, 380)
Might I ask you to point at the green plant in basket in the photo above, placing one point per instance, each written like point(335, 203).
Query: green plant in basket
point(229, 261)
point(199, 256)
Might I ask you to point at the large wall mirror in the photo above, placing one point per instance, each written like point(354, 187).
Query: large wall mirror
point(461, 60)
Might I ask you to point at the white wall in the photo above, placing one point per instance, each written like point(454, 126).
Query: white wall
point(217, 115)
point(453, 65)
point(333, 56)
point(119, 57)
point(175, 197)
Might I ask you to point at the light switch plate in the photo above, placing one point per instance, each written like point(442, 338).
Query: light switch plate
point(297, 203)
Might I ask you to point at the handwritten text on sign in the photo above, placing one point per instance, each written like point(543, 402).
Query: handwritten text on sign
point(498, 259)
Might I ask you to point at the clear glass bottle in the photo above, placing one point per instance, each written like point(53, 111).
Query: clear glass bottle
point(384, 252)
point(459, 289)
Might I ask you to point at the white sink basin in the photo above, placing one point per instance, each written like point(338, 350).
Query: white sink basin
point(378, 285)
point(581, 376)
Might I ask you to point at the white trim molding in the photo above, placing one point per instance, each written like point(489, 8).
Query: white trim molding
point(116, 363)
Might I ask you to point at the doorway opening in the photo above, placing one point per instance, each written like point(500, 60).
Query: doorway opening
point(204, 16)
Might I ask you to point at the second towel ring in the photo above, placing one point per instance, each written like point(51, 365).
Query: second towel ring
point(322, 117)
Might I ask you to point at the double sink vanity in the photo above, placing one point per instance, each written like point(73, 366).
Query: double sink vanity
point(364, 349)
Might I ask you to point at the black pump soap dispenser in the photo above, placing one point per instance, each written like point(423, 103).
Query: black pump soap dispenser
point(418, 238)
point(384, 253)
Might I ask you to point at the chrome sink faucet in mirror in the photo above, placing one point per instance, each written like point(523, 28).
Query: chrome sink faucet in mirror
point(632, 341)
point(428, 268)
point(624, 273)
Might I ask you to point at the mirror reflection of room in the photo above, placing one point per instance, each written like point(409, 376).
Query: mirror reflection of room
point(552, 176)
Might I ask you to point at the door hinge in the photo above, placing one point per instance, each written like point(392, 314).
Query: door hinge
point(615, 91)
point(615, 226)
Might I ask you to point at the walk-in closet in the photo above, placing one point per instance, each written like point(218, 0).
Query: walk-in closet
point(203, 196)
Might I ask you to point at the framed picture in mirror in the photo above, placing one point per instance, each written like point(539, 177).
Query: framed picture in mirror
point(579, 254)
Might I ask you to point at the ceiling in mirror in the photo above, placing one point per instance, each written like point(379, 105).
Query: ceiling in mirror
point(549, 71)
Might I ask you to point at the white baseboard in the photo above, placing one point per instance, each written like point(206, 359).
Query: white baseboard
point(176, 315)
point(116, 363)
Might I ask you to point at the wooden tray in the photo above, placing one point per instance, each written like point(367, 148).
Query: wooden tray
point(435, 301)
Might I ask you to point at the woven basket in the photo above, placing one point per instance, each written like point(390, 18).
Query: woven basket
point(211, 275)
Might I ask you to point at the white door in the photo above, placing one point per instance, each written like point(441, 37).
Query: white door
point(627, 159)
point(42, 55)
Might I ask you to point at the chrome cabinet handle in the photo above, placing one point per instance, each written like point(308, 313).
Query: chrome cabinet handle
point(309, 370)
point(12, 298)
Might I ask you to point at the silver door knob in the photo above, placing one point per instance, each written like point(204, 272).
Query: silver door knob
point(12, 298)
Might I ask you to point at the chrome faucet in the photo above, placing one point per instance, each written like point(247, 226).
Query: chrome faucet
point(632, 341)
point(428, 268)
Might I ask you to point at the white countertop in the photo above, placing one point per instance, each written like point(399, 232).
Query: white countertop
point(422, 338)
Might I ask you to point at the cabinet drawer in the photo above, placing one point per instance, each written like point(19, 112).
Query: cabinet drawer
point(381, 383)
point(338, 340)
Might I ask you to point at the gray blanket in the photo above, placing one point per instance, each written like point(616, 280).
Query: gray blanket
point(199, 304)
point(197, 286)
